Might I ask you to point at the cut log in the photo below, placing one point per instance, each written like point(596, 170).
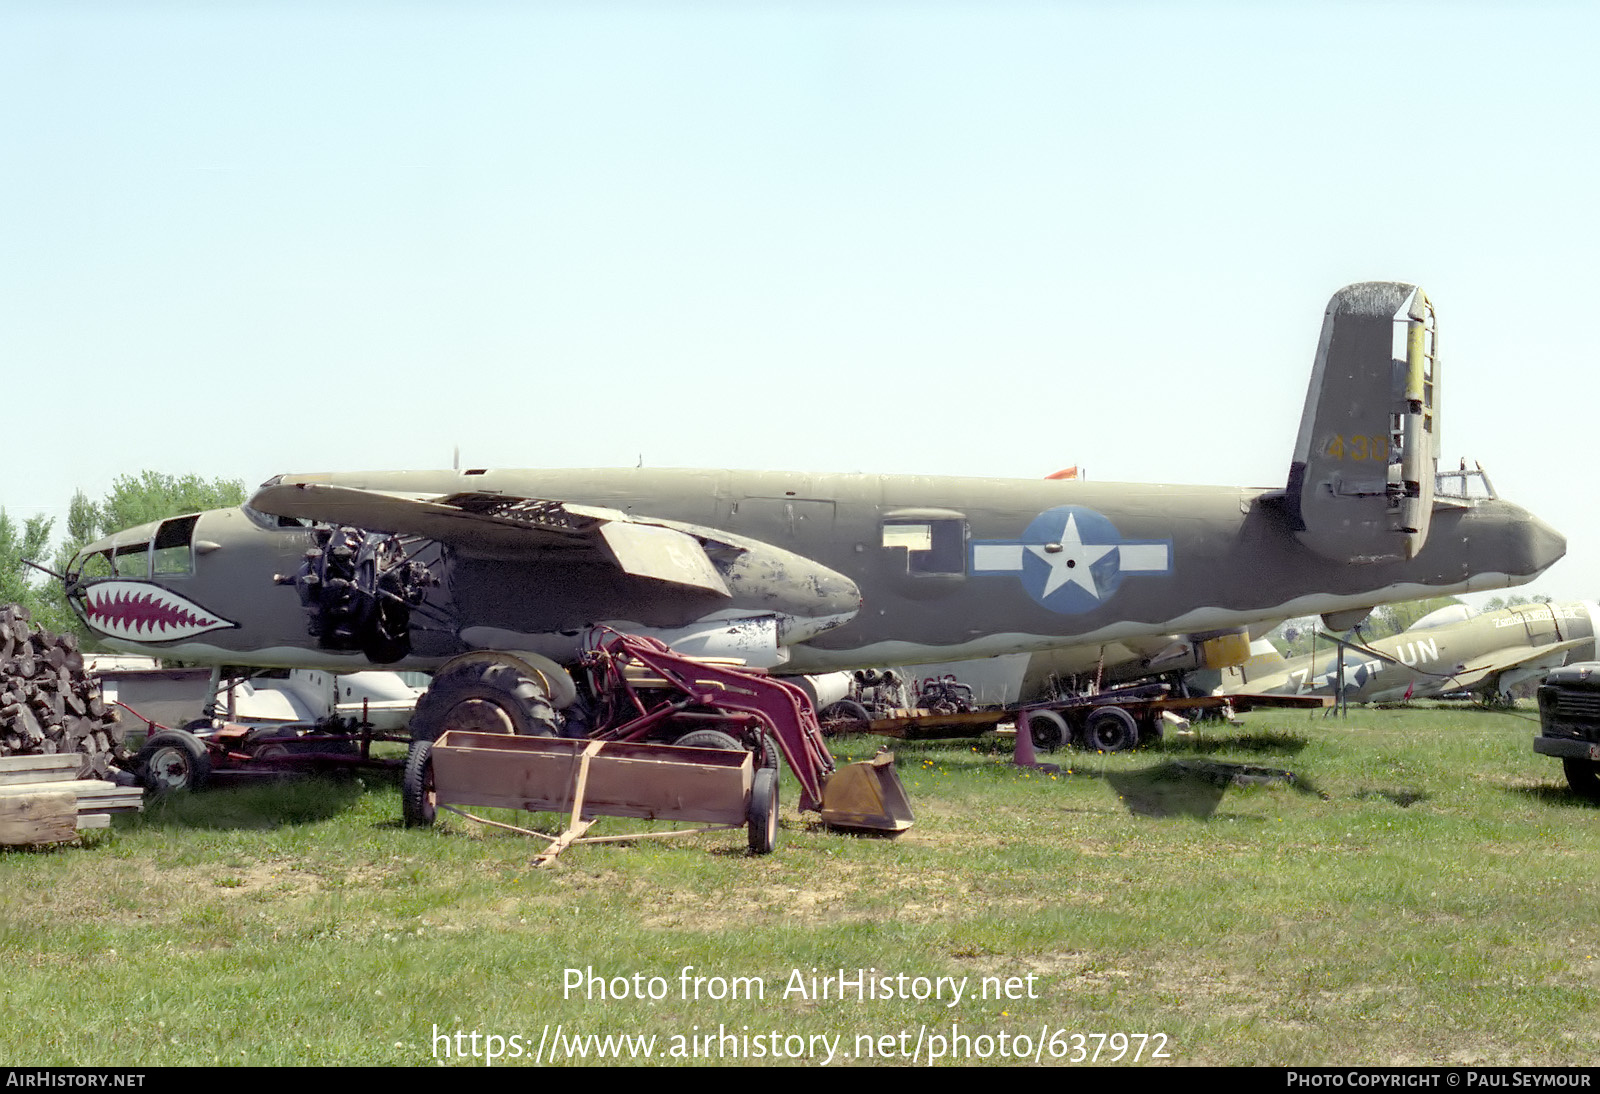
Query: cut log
point(48, 703)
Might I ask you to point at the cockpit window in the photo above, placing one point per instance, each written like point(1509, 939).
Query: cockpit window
point(97, 565)
point(267, 520)
point(172, 553)
point(132, 560)
point(1463, 485)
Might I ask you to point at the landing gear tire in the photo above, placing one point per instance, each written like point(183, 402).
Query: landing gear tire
point(1048, 730)
point(763, 812)
point(419, 802)
point(1110, 729)
point(1583, 776)
point(173, 760)
point(485, 694)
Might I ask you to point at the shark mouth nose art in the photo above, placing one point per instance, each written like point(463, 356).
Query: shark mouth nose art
point(140, 611)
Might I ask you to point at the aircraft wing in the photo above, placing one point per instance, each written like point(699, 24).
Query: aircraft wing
point(1505, 660)
point(508, 528)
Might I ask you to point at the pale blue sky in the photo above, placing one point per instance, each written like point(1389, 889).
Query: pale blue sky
point(994, 239)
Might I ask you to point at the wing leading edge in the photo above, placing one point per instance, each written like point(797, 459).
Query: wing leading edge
point(496, 526)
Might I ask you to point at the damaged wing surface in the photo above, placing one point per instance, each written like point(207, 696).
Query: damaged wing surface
point(501, 527)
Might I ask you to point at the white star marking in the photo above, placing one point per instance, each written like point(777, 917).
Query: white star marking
point(1072, 562)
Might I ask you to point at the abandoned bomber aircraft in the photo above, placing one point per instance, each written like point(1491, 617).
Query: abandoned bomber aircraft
point(807, 573)
point(1449, 650)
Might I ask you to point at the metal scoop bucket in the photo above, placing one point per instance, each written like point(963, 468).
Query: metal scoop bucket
point(867, 795)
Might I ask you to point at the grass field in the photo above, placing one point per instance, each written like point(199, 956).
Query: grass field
point(1424, 892)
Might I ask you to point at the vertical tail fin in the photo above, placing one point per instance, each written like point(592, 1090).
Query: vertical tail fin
point(1361, 484)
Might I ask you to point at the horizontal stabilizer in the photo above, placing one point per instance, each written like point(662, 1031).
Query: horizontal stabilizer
point(1361, 483)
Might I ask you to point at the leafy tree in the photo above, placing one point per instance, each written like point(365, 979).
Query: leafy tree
point(1293, 636)
point(153, 496)
point(1394, 618)
point(1495, 603)
point(18, 583)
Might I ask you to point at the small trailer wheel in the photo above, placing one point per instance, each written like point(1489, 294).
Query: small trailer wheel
point(1048, 730)
point(763, 813)
point(173, 760)
point(419, 803)
point(1110, 729)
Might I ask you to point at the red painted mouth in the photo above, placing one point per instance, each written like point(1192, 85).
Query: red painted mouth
point(144, 612)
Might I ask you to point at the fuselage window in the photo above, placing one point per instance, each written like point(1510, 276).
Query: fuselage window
point(931, 546)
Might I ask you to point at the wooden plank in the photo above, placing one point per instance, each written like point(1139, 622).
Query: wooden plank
point(573, 834)
point(38, 816)
point(60, 773)
point(37, 769)
point(1293, 702)
point(83, 788)
point(100, 788)
point(94, 820)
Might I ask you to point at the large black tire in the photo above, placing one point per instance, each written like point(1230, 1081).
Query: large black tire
point(717, 738)
point(173, 760)
point(1048, 730)
point(709, 738)
point(763, 812)
point(1110, 729)
point(770, 752)
point(485, 695)
point(418, 802)
point(1583, 776)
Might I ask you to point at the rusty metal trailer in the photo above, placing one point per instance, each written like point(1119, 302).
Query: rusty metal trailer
point(1111, 721)
point(719, 788)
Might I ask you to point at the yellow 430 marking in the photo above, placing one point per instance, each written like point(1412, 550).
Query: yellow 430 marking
point(1357, 447)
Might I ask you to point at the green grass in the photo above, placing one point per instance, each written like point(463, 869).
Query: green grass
point(1424, 892)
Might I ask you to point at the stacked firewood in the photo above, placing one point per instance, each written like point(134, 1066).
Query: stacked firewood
point(48, 704)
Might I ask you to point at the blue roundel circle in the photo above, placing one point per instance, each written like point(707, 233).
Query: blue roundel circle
point(1084, 573)
point(1071, 559)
